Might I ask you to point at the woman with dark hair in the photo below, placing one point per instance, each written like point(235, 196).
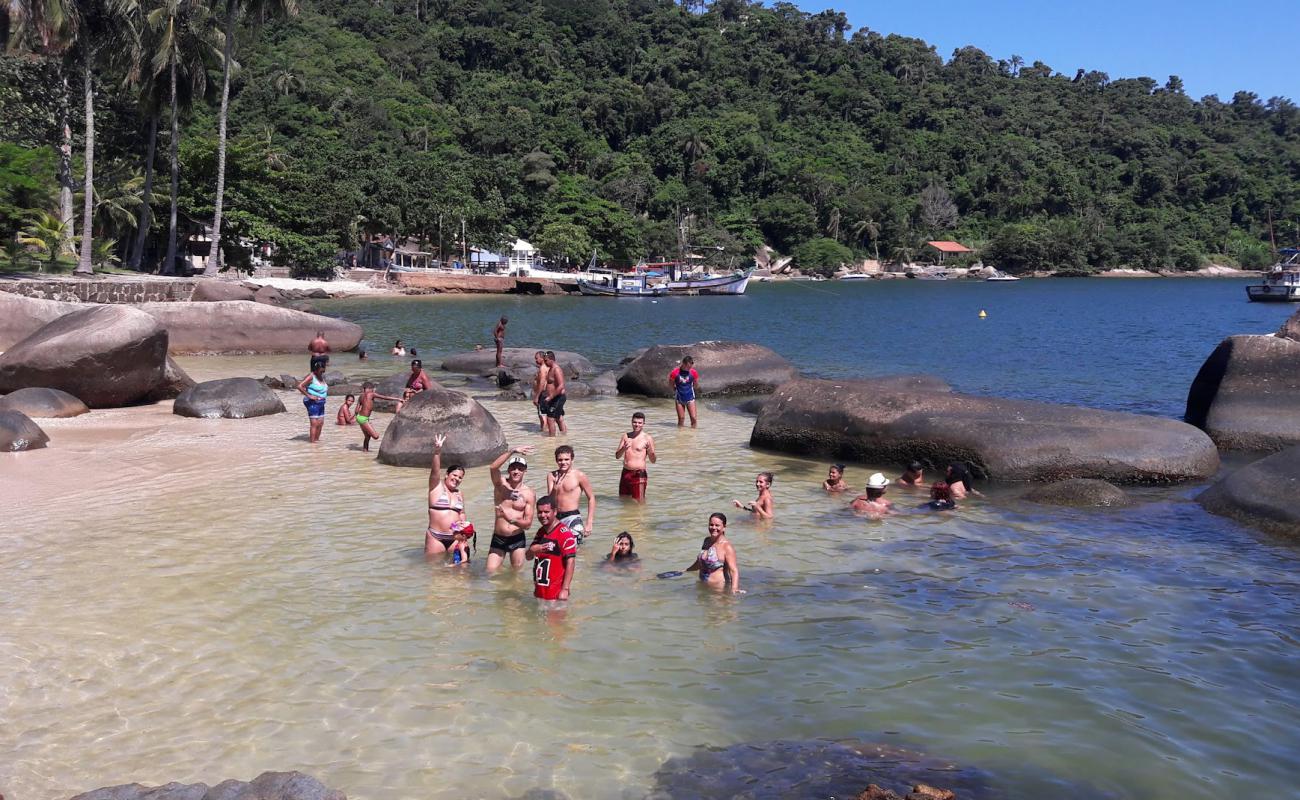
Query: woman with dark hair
point(716, 562)
point(762, 507)
point(914, 476)
point(446, 505)
point(623, 553)
point(834, 482)
point(314, 390)
point(940, 498)
point(959, 480)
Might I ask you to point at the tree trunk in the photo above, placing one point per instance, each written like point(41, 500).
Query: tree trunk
point(84, 265)
point(169, 266)
point(66, 213)
point(145, 218)
point(214, 255)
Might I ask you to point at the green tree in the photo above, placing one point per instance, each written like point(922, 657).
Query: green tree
point(822, 256)
point(564, 240)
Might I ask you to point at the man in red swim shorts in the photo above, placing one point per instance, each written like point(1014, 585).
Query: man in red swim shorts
point(554, 552)
point(636, 448)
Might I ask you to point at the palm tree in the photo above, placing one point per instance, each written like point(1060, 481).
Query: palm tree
point(871, 230)
point(47, 232)
point(254, 8)
point(693, 148)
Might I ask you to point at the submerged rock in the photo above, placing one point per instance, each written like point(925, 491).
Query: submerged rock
point(1080, 493)
point(267, 786)
point(474, 436)
point(1246, 395)
point(105, 355)
point(228, 398)
point(724, 367)
point(891, 421)
point(40, 402)
point(1262, 494)
point(19, 433)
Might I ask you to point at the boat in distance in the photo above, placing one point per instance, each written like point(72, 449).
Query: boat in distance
point(999, 276)
point(638, 285)
point(1282, 283)
point(650, 281)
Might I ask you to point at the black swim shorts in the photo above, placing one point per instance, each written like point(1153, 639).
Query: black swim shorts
point(508, 544)
point(555, 409)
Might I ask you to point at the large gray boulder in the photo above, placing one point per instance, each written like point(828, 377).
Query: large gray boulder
point(215, 290)
point(893, 421)
point(1262, 494)
point(267, 786)
point(175, 380)
point(1080, 493)
point(248, 327)
point(393, 386)
point(228, 398)
point(1246, 395)
point(40, 402)
point(518, 363)
point(725, 368)
point(18, 432)
point(474, 436)
point(20, 316)
point(106, 355)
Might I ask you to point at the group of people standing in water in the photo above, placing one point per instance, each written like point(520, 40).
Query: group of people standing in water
point(944, 494)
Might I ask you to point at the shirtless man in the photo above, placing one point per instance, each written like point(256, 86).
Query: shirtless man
point(567, 485)
point(319, 349)
point(539, 388)
point(635, 448)
point(416, 382)
point(499, 336)
point(514, 509)
point(555, 398)
point(365, 410)
point(873, 502)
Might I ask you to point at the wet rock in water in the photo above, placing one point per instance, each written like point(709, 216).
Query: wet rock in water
point(1246, 395)
point(333, 376)
point(267, 786)
point(19, 433)
point(606, 383)
point(1291, 328)
point(1262, 493)
point(228, 398)
point(518, 360)
point(474, 436)
point(632, 356)
point(920, 791)
point(344, 389)
point(106, 355)
point(40, 402)
point(213, 290)
point(393, 386)
point(814, 768)
point(515, 392)
point(724, 367)
point(1080, 493)
point(247, 327)
point(175, 380)
point(888, 421)
point(751, 406)
point(577, 390)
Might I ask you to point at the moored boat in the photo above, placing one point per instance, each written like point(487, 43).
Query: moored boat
point(735, 283)
point(999, 276)
point(639, 285)
point(1282, 283)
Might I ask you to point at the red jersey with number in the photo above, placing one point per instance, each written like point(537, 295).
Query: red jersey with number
point(550, 566)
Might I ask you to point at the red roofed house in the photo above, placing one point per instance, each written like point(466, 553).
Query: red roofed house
point(946, 248)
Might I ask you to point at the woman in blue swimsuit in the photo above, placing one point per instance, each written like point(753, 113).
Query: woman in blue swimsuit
point(314, 390)
point(716, 562)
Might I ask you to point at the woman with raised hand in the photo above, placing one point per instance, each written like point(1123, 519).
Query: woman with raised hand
point(446, 504)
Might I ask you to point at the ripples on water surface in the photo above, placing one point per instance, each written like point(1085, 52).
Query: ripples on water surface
point(226, 600)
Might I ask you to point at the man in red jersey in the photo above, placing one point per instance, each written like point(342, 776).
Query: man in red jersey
point(554, 551)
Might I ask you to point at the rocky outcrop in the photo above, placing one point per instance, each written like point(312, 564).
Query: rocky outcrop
point(473, 435)
point(18, 432)
point(725, 368)
point(228, 398)
point(518, 363)
point(215, 290)
point(175, 380)
point(1080, 493)
point(1246, 395)
point(1290, 329)
point(106, 355)
point(247, 327)
point(1262, 494)
point(40, 402)
point(892, 421)
point(222, 326)
point(267, 786)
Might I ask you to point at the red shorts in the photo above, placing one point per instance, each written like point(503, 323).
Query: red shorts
point(632, 483)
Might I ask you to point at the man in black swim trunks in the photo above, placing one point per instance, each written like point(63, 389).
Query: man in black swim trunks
point(514, 509)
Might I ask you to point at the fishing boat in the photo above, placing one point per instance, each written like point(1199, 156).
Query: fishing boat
point(706, 283)
point(854, 276)
point(1282, 283)
point(637, 285)
point(999, 276)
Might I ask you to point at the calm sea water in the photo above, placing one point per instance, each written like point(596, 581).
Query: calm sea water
point(204, 599)
point(1125, 344)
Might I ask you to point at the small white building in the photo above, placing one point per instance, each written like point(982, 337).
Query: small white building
point(523, 255)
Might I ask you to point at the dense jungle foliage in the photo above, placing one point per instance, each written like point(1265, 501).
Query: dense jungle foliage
point(606, 124)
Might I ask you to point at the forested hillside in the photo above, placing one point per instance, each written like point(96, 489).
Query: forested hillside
point(583, 124)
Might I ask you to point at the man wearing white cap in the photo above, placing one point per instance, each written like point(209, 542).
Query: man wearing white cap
point(873, 503)
point(514, 509)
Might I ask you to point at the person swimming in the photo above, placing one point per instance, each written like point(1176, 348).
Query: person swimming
point(940, 498)
point(913, 476)
point(623, 553)
point(716, 561)
point(834, 482)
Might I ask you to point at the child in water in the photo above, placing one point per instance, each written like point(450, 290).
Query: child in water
point(834, 482)
point(346, 414)
point(460, 548)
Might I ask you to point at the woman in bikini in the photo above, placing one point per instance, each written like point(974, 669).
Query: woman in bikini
point(762, 507)
point(716, 562)
point(446, 505)
point(834, 483)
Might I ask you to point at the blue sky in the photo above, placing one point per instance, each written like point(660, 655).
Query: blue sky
point(1215, 47)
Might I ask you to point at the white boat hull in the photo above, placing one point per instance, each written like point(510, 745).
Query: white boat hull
point(1273, 293)
point(721, 284)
